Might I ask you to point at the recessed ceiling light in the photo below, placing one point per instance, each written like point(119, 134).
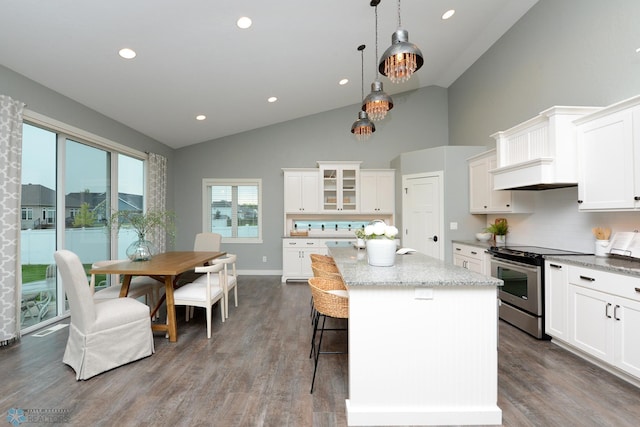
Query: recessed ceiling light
point(343, 82)
point(127, 53)
point(638, 50)
point(448, 14)
point(272, 99)
point(243, 22)
point(201, 117)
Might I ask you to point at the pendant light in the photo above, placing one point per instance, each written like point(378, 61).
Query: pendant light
point(402, 58)
point(363, 127)
point(377, 103)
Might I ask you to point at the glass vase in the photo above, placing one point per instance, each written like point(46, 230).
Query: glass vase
point(141, 250)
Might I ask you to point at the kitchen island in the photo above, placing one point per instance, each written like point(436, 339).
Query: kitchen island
point(422, 342)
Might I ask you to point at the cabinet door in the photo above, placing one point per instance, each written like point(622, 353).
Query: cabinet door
point(606, 175)
point(556, 300)
point(499, 200)
point(479, 186)
point(339, 187)
point(626, 316)
point(591, 327)
point(301, 191)
point(377, 191)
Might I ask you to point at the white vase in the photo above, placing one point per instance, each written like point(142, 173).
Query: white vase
point(501, 240)
point(381, 252)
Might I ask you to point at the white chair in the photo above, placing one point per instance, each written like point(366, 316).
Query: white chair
point(230, 280)
point(141, 286)
point(207, 242)
point(205, 291)
point(104, 335)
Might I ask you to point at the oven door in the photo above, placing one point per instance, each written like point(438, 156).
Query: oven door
point(522, 284)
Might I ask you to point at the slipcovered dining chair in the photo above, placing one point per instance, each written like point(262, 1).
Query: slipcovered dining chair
point(103, 335)
point(207, 242)
point(230, 279)
point(141, 286)
point(330, 299)
point(204, 291)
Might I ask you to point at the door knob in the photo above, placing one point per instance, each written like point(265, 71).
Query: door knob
point(434, 238)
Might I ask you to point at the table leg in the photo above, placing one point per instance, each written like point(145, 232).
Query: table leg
point(171, 309)
point(124, 290)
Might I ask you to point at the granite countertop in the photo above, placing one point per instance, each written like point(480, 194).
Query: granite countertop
point(612, 264)
point(414, 269)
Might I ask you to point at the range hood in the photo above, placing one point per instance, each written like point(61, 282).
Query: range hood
point(541, 153)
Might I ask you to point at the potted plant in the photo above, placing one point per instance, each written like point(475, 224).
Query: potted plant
point(499, 230)
point(144, 224)
point(381, 243)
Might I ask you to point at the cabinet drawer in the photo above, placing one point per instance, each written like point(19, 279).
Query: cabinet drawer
point(302, 243)
point(611, 283)
point(468, 251)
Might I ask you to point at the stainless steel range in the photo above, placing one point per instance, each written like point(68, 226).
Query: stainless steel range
point(522, 296)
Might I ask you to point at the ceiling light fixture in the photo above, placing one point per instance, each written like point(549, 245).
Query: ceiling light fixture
point(272, 99)
point(343, 82)
point(448, 14)
point(402, 58)
point(244, 22)
point(201, 117)
point(377, 103)
point(363, 127)
point(127, 53)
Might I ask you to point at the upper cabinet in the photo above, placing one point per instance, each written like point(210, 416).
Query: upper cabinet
point(301, 191)
point(483, 198)
point(609, 158)
point(339, 186)
point(540, 153)
point(377, 191)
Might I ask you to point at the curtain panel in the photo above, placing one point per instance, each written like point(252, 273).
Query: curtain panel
point(10, 193)
point(157, 195)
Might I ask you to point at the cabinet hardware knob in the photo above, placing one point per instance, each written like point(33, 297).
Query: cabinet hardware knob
point(637, 289)
point(458, 249)
point(636, 198)
point(606, 310)
point(590, 279)
point(474, 252)
point(579, 201)
point(508, 206)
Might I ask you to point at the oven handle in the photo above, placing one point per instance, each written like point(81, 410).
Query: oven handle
point(514, 264)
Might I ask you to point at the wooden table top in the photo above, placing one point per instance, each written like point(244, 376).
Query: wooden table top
point(164, 264)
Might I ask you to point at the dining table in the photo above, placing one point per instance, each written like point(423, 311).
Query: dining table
point(165, 267)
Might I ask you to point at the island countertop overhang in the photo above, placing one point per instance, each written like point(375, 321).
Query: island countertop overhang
point(410, 270)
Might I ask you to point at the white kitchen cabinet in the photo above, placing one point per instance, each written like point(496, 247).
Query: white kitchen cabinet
point(609, 158)
point(301, 190)
point(377, 191)
point(339, 182)
point(483, 198)
point(471, 257)
point(296, 263)
point(556, 300)
point(604, 317)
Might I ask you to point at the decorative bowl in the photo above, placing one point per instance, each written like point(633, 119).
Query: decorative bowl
point(483, 237)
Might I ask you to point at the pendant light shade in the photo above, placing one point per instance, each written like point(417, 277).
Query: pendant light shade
point(363, 127)
point(377, 103)
point(402, 58)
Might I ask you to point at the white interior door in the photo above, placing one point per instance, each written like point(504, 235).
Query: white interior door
point(422, 213)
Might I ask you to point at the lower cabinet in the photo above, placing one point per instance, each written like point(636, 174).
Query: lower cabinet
point(296, 263)
point(471, 257)
point(596, 312)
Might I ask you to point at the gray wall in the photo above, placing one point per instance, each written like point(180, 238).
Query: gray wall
point(562, 52)
point(418, 120)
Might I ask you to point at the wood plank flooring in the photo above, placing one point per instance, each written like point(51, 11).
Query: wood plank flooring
point(255, 371)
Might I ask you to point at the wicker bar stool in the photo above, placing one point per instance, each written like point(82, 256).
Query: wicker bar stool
point(323, 269)
point(330, 299)
point(322, 258)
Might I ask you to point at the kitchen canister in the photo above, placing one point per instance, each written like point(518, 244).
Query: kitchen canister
point(602, 247)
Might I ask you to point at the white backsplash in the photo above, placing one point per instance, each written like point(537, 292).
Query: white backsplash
point(557, 223)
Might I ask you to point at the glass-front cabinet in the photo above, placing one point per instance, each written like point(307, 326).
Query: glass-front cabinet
point(339, 186)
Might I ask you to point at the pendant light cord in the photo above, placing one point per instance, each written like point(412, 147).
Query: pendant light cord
point(375, 60)
point(399, 19)
point(362, 73)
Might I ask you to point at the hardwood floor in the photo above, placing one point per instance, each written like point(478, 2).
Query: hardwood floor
point(255, 371)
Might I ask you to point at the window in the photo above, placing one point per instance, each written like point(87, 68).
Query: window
point(232, 208)
point(69, 209)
